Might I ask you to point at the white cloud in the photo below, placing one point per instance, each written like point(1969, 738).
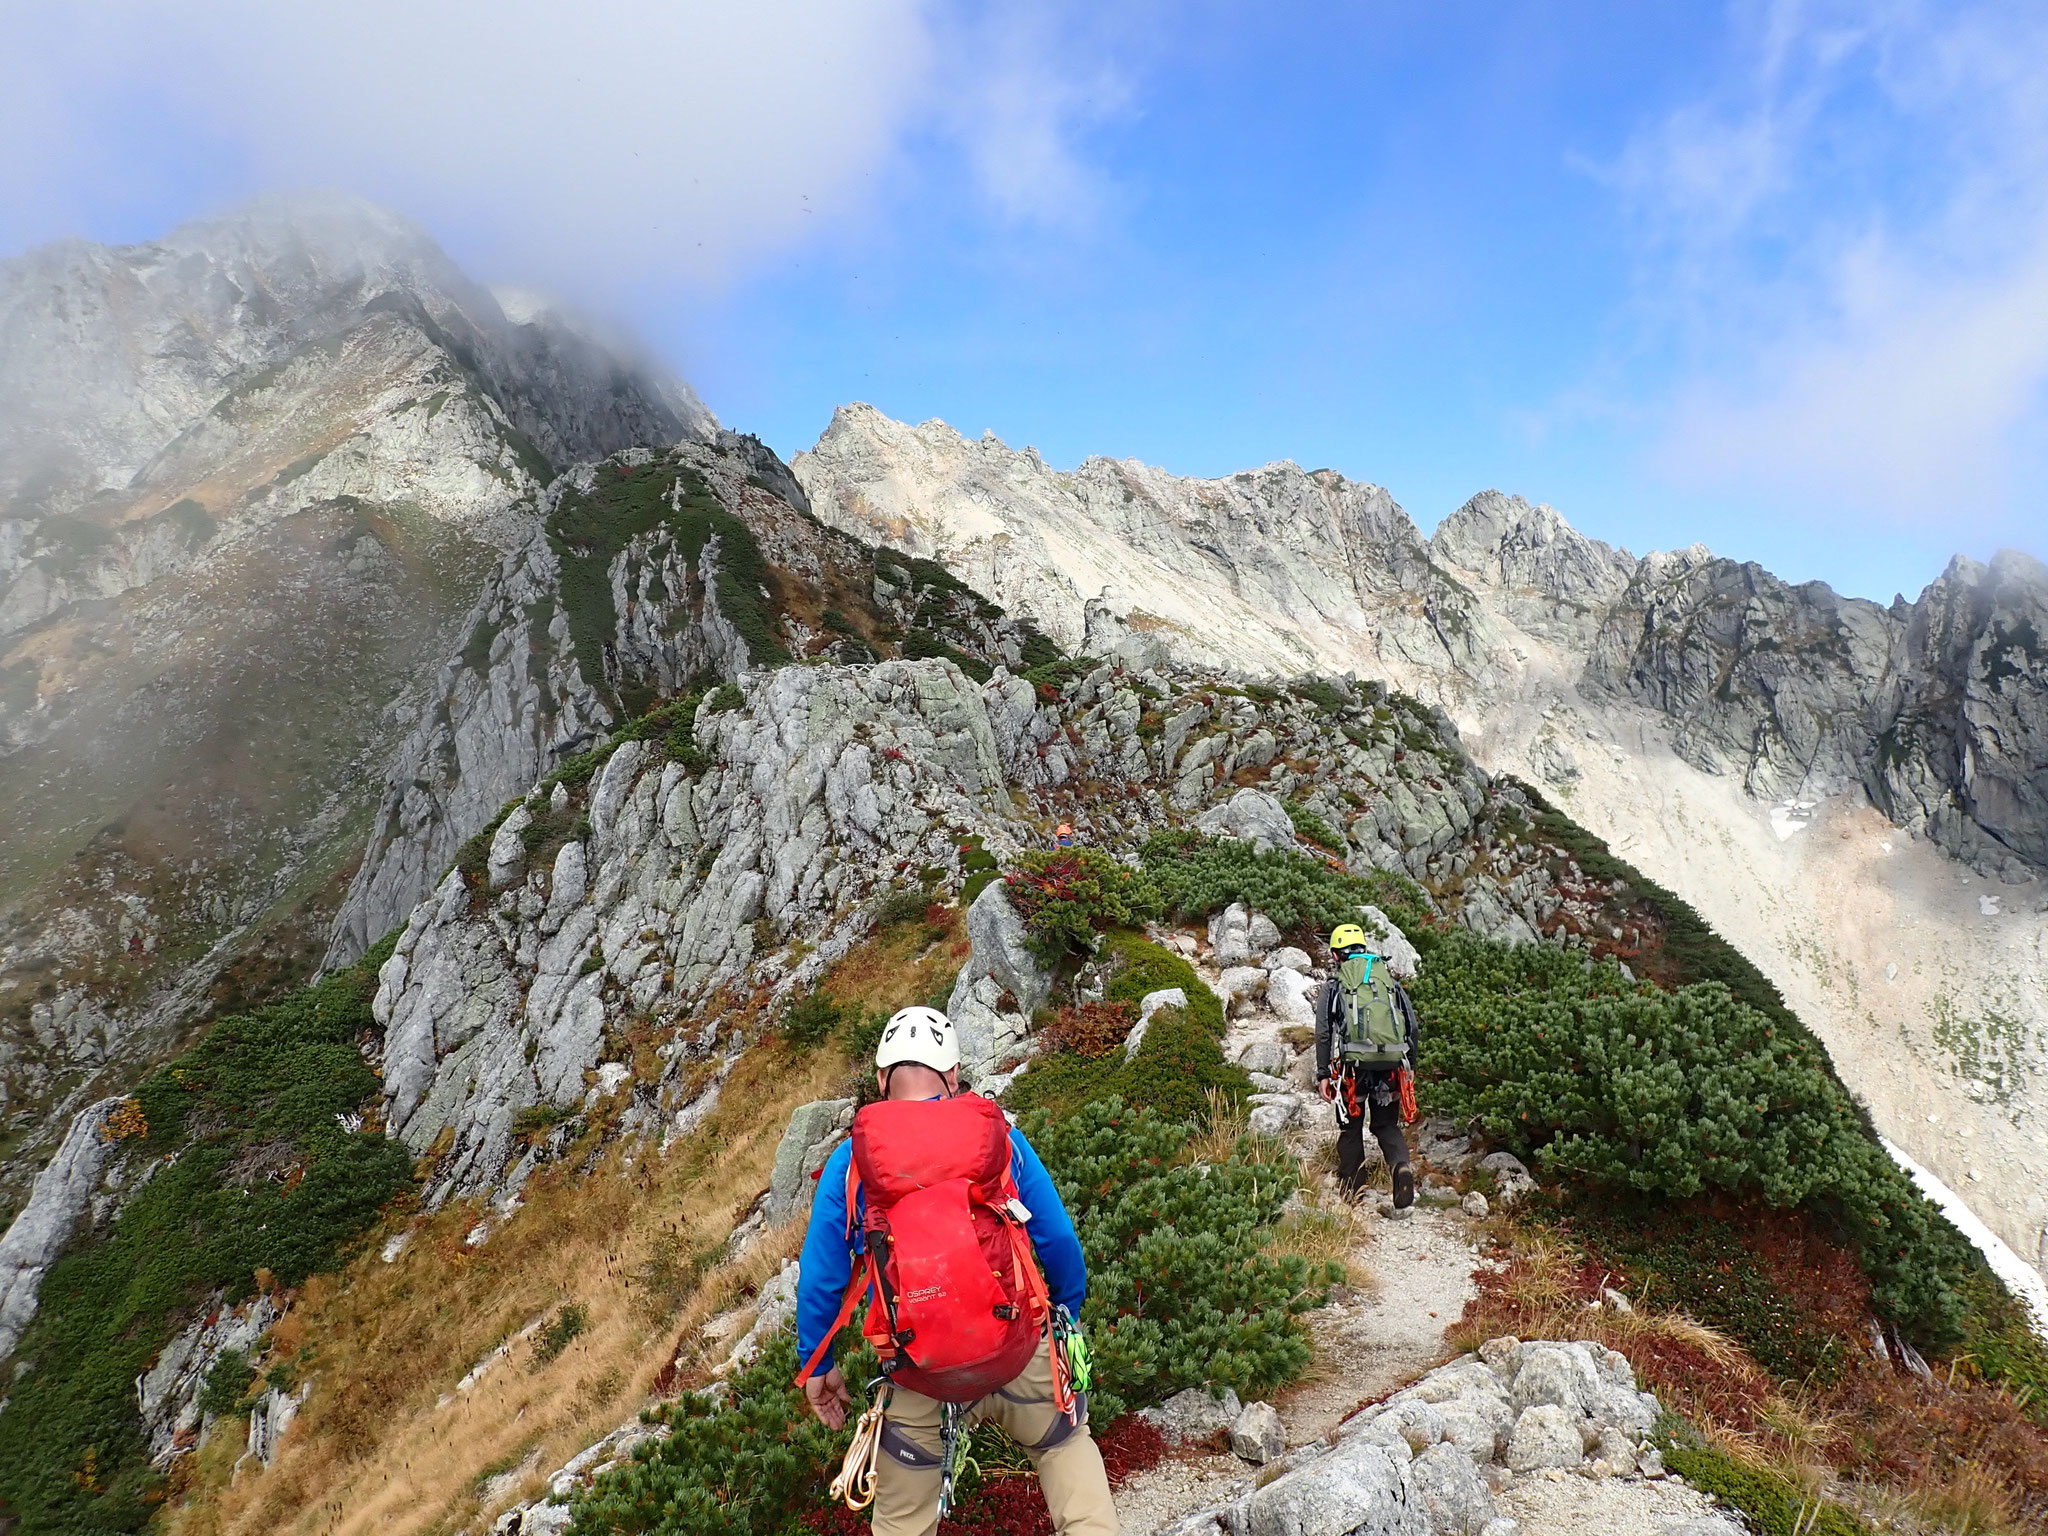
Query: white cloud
point(587, 146)
point(1846, 257)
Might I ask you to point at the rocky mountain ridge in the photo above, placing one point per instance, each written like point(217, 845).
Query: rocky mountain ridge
point(255, 481)
point(1853, 793)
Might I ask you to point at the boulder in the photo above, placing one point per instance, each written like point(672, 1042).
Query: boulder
point(1291, 996)
point(1545, 1436)
point(1001, 961)
point(1265, 1054)
point(1288, 958)
point(814, 1130)
point(1257, 1435)
point(1454, 1499)
point(1194, 1414)
point(508, 849)
point(1262, 935)
point(1252, 816)
point(1511, 1177)
point(1474, 1205)
point(1401, 956)
point(1356, 1490)
point(1239, 987)
point(1230, 937)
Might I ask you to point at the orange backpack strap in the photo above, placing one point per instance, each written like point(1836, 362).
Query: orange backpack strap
point(863, 1277)
point(854, 1292)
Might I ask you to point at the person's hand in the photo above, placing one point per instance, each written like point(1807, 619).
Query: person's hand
point(828, 1397)
point(1328, 1089)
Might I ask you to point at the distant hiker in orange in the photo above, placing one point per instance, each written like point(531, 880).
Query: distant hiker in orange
point(1064, 837)
point(944, 1220)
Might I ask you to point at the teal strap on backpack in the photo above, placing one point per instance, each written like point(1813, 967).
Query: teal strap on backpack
point(1373, 1036)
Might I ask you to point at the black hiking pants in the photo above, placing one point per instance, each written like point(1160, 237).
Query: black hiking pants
point(1371, 1101)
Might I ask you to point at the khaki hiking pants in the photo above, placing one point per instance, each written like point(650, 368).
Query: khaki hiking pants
point(1069, 1466)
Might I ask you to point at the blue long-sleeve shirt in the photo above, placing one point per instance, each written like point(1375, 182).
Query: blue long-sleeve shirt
point(826, 1268)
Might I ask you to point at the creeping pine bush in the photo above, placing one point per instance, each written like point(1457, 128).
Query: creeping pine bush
point(1178, 1064)
point(1676, 1094)
point(1196, 875)
point(1181, 1292)
point(256, 1171)
point(1068, 895)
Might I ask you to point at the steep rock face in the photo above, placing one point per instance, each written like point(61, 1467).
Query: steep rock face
point(671, 884)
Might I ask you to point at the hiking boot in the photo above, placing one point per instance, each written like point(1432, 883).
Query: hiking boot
point(1404, 1186)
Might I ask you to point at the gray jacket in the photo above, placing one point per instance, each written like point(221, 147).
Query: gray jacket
point(1330, 1027)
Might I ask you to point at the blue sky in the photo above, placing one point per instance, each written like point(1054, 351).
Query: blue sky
point(1773, 277)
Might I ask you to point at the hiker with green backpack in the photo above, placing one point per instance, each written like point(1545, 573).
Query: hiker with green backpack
point(1365, 1042)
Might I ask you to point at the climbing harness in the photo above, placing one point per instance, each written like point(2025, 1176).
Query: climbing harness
point(956, 1438)
point(856, 1480)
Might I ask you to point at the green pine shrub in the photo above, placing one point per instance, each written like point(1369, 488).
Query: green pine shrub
point(1196, 875)
point(747, 1464)
point(1772, 1505)
point(227, 1383)
point(1178, 1065)
point(256, 1172)
point(1675, 1094)
point(1067, 896)
point(1181, 1291)
point(1311, 826)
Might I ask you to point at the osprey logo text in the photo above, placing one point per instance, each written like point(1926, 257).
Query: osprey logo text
point(925, 1293)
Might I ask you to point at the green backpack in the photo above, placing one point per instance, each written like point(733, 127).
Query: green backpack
point(1373, 1033)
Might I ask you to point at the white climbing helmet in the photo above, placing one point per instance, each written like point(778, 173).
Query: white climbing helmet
point(923, 1035)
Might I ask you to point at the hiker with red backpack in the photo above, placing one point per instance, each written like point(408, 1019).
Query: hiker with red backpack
point(942, 1219)
point(1366, 1034)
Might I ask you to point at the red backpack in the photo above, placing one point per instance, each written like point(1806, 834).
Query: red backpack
point(958, 1301)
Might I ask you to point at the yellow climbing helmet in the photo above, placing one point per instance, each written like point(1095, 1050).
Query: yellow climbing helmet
point(1347, 936)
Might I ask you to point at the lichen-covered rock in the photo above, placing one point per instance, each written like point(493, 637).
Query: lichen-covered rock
point(815, 1129)
point(1454, 1500)
point(1359, 1489)
point(1545, 1435)
point(1253, 816)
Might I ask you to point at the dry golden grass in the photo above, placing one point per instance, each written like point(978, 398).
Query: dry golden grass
point(377, 1450)
point(902, 964)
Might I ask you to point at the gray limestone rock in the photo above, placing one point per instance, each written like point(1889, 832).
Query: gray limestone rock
point(1230, 937)
point(1252, 816)
point(1359, 1489)
point(1194, 1414)
point(1001, 961)
point(56, 1201)
point(1257, 1435)
point(508, 850)
point(1545, 1436)
point(1262, 936)
point(1511, 1177)
point(815, 1129)
point(1454, 1499)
